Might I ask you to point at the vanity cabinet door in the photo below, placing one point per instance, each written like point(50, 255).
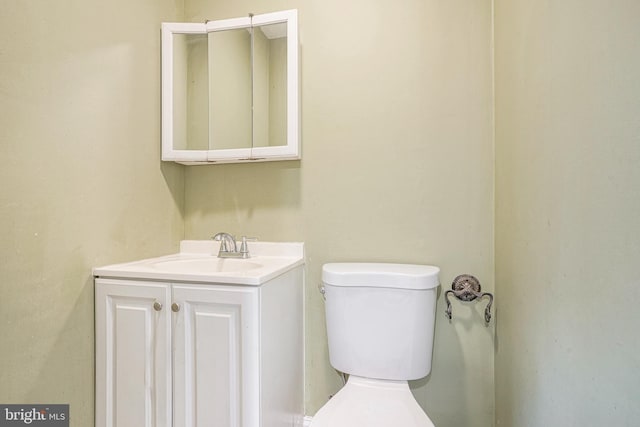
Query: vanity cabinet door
point(133, 359)
point(216, 362)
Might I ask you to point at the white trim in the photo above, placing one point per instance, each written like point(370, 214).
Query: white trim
point(228, 24)
point(306, 421)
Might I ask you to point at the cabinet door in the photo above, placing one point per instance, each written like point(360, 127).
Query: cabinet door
point(133, 358)
point(216, 356)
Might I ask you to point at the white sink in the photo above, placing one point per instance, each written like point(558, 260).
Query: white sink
point(197, 261)
point(209, 265)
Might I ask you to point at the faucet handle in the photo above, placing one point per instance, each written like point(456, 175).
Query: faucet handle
point(224, 238)
point(244, 248)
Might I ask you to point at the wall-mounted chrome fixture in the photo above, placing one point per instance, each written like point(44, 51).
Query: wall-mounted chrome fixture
point(466, 287)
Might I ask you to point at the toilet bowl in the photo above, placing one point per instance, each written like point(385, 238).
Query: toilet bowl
point(372, 403)
point(380, 323)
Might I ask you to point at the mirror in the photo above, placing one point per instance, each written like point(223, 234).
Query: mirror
point(270, 85)
point(190, 87)
point(230, 90)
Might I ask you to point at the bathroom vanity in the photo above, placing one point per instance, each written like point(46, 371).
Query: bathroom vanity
point(193, 340)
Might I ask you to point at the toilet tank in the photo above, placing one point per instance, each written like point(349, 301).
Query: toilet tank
point(380, 318)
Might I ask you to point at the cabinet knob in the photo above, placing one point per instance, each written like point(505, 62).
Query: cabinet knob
point(175, 307)
point(157, 306)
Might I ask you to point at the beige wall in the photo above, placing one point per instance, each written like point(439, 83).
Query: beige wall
point(567, 213)
point(82, 182)
point(397, 166)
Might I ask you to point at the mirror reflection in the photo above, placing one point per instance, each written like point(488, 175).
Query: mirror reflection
point(190, 92)
point(230, 88)
point(270, 85)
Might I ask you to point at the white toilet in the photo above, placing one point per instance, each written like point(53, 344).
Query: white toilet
point(380, 323)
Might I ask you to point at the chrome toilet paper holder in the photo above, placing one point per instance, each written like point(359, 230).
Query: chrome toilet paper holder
point(466, 287)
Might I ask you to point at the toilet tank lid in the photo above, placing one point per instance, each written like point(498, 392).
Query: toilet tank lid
point(381, 275)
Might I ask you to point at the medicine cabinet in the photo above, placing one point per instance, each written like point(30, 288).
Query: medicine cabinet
point(230, 90)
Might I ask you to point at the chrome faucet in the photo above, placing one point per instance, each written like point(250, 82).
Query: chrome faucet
point(229, 248)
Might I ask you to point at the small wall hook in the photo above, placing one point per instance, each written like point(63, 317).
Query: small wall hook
point(466, 287)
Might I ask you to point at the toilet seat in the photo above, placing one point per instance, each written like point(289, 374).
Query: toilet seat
point(372, 403)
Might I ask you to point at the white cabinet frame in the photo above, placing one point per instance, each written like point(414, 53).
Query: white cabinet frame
point(290, 151)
